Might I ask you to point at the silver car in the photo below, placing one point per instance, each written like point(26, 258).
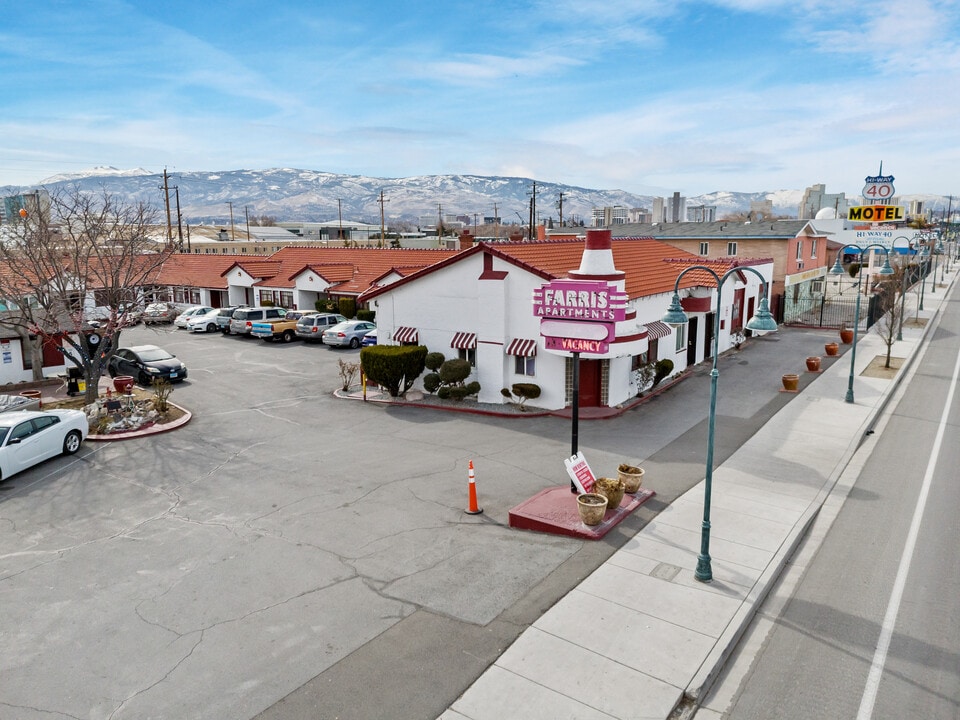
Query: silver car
point(348, 334)
point(241, 323)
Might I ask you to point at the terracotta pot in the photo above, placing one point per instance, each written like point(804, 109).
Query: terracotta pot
point(612, 489)
point(123, 384)
point(790, 382)
point(846, 336)
point(591, 507)
point(33, 395)
point(631, 476)
point(831, 348)
point(813, 363)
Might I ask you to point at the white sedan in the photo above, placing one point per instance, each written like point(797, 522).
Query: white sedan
point(203, 322)
point(189, 313)
point(28, 437)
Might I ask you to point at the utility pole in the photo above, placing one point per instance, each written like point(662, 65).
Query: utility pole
point(533, 210)
point(439, 225)
point(246, 214)
point(560, 208)
point(340, 215)
point(475, 223)
point(496, 221)
point(233, 234)
point(382, 228)
point(179, 219)
point(166, 199)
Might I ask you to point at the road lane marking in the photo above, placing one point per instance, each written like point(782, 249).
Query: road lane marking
point(869, 697)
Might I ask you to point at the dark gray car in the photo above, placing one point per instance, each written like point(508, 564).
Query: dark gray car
point(311, 327)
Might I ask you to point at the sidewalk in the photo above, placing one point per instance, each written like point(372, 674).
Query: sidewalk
point(640, 637)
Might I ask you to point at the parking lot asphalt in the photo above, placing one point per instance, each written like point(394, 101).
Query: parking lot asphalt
point(290, 555)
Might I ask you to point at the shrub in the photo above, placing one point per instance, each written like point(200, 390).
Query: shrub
point(394, 367)
point(348, 371)
point(663, 369)
point(161, 394)
point(347, 306)
point(367, 315)
point(434, 361)
point(519, 393)
point(448, 379)
point(645, 376)
point(455, 371)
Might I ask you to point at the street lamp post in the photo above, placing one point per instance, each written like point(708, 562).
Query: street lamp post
point(903, 286)
point(837, 269)
point(923, 277)
point(762, 321)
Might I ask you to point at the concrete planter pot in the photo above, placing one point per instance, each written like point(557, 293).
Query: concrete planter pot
point(592, 508)
point(612, 489)
point(846, 336)
point(631, 476)
point(790, 382)
point(831, 349)
point(813, 363)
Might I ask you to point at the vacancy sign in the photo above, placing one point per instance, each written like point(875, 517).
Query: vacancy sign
point(579, 315)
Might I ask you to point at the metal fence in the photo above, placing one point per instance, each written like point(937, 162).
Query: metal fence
point(818, 310)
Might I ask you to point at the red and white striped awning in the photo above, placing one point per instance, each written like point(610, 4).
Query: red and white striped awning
point(406, 335)
point(657, 330)
point(522, 348)
point(464, 341)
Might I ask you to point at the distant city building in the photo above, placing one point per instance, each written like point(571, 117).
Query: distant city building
point(761, 207)
point(815, 198)
point(669, 210)
point(33, 203)
point(607, 216)
point(701, 213)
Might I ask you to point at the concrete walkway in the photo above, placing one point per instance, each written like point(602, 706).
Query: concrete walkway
point(640, 637)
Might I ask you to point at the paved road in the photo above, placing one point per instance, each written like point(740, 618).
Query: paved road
point(291, 555)
point(870, 630)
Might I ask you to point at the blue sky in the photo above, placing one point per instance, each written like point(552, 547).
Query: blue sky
point(645, 96)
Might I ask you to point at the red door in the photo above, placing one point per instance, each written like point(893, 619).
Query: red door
point(589, 383)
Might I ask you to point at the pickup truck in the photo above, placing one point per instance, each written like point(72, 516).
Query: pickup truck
point(284, 328)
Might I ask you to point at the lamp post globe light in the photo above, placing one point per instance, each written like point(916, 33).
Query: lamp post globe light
point(837, 269)
point(761, 322)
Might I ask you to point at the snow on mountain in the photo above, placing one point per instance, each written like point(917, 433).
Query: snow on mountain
point(310, 195)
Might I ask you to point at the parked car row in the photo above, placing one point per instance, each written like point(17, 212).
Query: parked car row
point(271, 323)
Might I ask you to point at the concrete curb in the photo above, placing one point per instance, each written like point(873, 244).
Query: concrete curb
point(152, 430)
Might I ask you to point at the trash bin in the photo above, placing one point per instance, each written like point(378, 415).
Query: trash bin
point(74, 380)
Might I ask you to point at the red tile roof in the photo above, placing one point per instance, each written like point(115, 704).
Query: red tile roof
point(650, 267)
point(199, 271)
point(351, 270)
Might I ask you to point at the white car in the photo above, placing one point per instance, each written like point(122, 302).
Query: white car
point(204, 322)
point(190, 312)
point(28, 437)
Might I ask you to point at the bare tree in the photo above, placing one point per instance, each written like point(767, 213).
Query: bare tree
point(89, 254)
point(890, 296)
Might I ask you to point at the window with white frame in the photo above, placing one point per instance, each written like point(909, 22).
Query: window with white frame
point(468, 354)
point(800, 250)
point(813, 247)
point(523, 365)
point(704, 249)
point(731, 248)
point(680, 332)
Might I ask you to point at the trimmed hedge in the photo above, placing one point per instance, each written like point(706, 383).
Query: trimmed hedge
point(394, 367)
point(367, 315)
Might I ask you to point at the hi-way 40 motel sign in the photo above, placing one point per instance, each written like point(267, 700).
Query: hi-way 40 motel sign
point(579, 315)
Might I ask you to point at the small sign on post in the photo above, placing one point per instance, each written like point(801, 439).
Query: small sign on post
point(580, 473)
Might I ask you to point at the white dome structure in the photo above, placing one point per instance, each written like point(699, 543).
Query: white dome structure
point(827, 213)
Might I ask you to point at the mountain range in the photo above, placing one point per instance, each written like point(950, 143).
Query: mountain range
point(312, 196)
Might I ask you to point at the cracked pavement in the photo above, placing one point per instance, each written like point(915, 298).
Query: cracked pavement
point(290, 555)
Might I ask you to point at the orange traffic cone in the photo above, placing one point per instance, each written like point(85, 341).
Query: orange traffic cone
point(473, 509)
